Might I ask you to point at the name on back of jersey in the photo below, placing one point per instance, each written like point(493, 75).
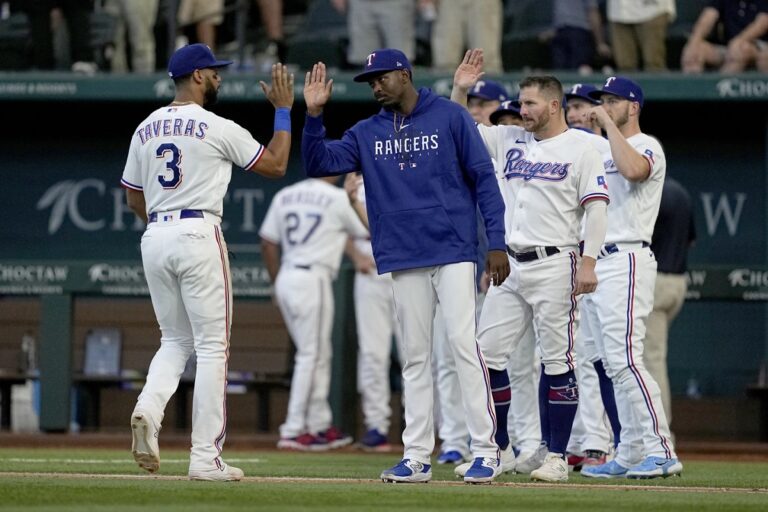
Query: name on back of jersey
point(172, 127)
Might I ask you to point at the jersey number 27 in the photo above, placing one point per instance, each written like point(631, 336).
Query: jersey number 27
point(293, 224)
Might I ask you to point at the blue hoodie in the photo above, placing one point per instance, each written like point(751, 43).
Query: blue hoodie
point(423, 174)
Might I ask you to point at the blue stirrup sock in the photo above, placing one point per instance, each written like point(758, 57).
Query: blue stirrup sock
point(501, 396)
point(609, 401)
point(563, 400)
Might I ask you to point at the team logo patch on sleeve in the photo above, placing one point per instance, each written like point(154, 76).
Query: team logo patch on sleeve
point(601, 182)
point(649, 154)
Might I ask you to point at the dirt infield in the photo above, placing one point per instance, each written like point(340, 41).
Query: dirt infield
point(692, 450)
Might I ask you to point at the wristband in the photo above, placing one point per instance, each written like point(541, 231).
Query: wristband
point(283, 119)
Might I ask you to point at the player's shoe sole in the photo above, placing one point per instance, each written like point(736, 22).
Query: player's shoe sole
point(144, 445)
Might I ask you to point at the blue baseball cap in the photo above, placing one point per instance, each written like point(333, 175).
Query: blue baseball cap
point(191, 57)
point(506, 107)
point(581, 92)
point(383, 61)
point(621, 87)
point(488, 90)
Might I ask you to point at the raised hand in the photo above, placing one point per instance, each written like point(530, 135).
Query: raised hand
point(470, 70)
point(280, 91)
point(317, 91)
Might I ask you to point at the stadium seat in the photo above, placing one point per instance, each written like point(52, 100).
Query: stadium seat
point(323, 37)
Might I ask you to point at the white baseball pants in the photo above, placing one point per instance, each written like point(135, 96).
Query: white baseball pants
point(416, 293)
point(376, 324)
point(622, 302)
point(187, 270)
point(305, 298)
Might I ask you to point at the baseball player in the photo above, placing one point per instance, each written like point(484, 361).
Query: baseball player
point(425, 174)
point(376, 324)
point(626, 267)
point(551, 177)
point(523, 417)
point(484, 98)
point(590, 440)
point(507, 113)
point(302, 240)
point(178, 168)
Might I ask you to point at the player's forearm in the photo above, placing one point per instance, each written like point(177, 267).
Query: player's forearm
point(270, 254)
point(362, 213)
point(595, 227)
point(459, 95)
point(631, 164)
point(137, 203)
point(280, 147)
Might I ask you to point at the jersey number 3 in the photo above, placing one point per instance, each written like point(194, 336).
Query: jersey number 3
point(172, 177)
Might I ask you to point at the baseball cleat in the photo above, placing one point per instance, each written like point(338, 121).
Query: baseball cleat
point(528, 461)
point(225, 473)
point(610, 469)
point(335, 438)
point(654, 467)
point(374, 441)
point(303, 443)
point(145, 448)
point(507, 463)
point(483, 470)
point(554, 469)
point(451, 457)
point(409, 471)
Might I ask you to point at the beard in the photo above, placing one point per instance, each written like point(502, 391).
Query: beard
point(538, 124)
point(211, 94)
point(621, 118)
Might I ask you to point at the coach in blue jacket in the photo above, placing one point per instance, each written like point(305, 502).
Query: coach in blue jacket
point(425, 171)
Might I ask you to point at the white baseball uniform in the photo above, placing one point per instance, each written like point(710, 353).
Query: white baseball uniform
point(181, 158)
point(545, 185)
point(376, 324)
point(591, 428)
point(626, 270)
point(310, 220)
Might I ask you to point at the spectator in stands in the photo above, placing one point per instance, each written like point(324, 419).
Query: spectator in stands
point(379, 24)
point(577, 35)
point(205, 15)
point(639, 29)
point(464, 24)
point(744, 42)
point(137, 17)
point(271, 12)
point(76, 16)
point(673, 234)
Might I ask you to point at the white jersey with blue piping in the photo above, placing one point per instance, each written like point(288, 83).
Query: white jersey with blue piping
point(635, 205)
point(181, 158)
point(545, 184)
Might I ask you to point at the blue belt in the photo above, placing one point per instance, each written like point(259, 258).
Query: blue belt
point(612, 248)
point(185, 214)
point(523, 257)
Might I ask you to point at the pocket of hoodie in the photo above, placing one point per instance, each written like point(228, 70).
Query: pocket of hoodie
point(417, 234)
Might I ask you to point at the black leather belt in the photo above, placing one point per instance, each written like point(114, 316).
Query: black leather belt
point(522, 257)
point(185, 214)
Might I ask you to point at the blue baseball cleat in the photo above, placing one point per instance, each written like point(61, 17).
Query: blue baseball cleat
point(450, 457)
point(611, 469)
point(654, 467)
point(483, 470)
point(409, 471)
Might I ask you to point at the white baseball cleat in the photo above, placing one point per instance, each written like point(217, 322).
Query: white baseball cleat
point(507, 463)
point(528, 461)
point(145, 448)
point(554, 469)
point(225, 473)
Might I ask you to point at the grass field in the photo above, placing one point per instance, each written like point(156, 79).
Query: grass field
point(54, 479)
